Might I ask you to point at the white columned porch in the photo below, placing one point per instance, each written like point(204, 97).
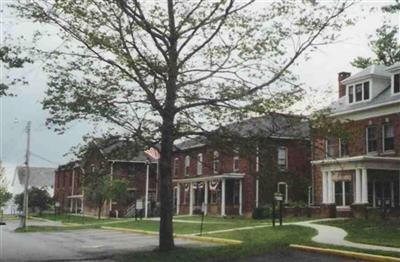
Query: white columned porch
point(257, 185)
point(374, 193)
point(240, 197)
point(358, 186)
point(223, 197)
point(364, 186)
point(178, 197)
point(324, 188)
point(191, 199)
point(205, 197)
point(330, 188)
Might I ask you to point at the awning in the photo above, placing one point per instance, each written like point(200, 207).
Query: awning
point(75, 196)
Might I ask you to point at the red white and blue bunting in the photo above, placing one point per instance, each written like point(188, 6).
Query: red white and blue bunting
point(213, 185)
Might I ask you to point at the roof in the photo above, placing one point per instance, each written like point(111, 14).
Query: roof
point(394, 67)
point(373, 70)
point(120, 149)
point(39, 176)
point(341, 105)
point(274, 125)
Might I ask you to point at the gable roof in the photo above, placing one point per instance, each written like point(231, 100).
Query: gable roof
point(39, 176)
point(274, 125)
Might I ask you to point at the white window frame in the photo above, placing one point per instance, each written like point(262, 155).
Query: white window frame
point(286, 158)
point(187, 165)
point(392, 84)
point(257, 159)
point(383, 138)
point(215, 161)
point(327, 156)
point(340, 149)
point(366, 141)
point(362, 92)
point(176, 166)
point(199, 164)
point(236, 159)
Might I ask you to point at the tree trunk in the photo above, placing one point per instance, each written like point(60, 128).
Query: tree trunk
point(166, 213)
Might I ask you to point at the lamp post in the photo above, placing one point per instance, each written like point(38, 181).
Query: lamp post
point(146, 198)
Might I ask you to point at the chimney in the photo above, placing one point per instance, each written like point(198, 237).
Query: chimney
point(342, 88)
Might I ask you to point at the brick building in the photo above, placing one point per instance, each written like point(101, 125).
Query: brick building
point(123, 161)
point(364, 169)
point(232, 176)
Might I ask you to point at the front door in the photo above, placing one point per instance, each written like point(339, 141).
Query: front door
point(343, 193)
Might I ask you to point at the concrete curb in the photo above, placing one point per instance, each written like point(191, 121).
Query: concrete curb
point(344, 253)
point(187, 237)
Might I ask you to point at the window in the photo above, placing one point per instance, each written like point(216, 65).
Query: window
point(282, 158)
point(176, 166)
point(131, 170)
point(366, 90)
point(236, 163)
point(371, 135)
point(200, 164)
point(344, 148)
point(257, 159)
point(330, 147)
point(359, 92)
point(187, 165)
point(216, 162)
point(396, 83)
point(388, 137)
point(351, 94)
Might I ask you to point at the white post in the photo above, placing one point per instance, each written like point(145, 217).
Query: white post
point(223, 197)
point(364, 191)
point(257, 184)
point(240, 197)
point(358, 187)
point(205, 197)
point(178, 197)
point(373, 194)
point(324, 188)
point(191, 199)
point(146, 197)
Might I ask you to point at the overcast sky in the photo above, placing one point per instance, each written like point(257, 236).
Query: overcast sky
point(319, 72)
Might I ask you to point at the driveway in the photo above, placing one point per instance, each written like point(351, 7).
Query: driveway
point(82, 245)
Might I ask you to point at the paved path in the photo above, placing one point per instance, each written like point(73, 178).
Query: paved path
point(83, 245)
point(336, 236)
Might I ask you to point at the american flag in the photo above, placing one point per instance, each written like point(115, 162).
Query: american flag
point(153, 153)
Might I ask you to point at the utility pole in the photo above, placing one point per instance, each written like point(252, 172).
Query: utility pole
point(26, 198)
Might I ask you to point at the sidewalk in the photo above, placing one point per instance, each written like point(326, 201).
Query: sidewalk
point(336, 236)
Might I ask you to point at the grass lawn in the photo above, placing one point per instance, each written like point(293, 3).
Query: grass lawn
point(73, 219)
point(377, 232)
point(255, 242)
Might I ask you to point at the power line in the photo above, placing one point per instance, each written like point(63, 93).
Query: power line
point(43, 158)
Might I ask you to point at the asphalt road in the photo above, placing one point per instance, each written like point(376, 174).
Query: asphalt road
point(101, 245)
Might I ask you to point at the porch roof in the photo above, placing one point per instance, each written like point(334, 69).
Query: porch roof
point(210, 178)
point(75, 196)
point(364, 161)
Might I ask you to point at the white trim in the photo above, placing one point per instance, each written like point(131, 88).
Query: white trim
point(366, 140)
point(236, 158)
point(210, 178)
point(286, 158)
point(392, 84)
point(186, 166)
point(199, 166)
point(383, 138)
point(367, 108)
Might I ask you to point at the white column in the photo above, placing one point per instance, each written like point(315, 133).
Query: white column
point(240, 197)
point(257, 185)
point(329, 184)
point(82, 205)
point(223, 197)
point(191, 199)
point(205, 197)
point(358, 186)
point(324, 188)
point(364, 187)
point(146, 197)
point(344, 193)
point(178, 197)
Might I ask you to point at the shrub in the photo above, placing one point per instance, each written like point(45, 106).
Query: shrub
point(261, 212)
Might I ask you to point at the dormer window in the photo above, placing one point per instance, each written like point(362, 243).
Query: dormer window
point(396, 84)
point(359, 92)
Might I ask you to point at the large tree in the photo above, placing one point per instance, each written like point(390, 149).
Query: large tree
point(163, 70)
point(5, 196)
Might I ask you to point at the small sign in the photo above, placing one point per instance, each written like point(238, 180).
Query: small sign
point(203, 207)
point(57, 204)
point(278, 196)
point(139, 204)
